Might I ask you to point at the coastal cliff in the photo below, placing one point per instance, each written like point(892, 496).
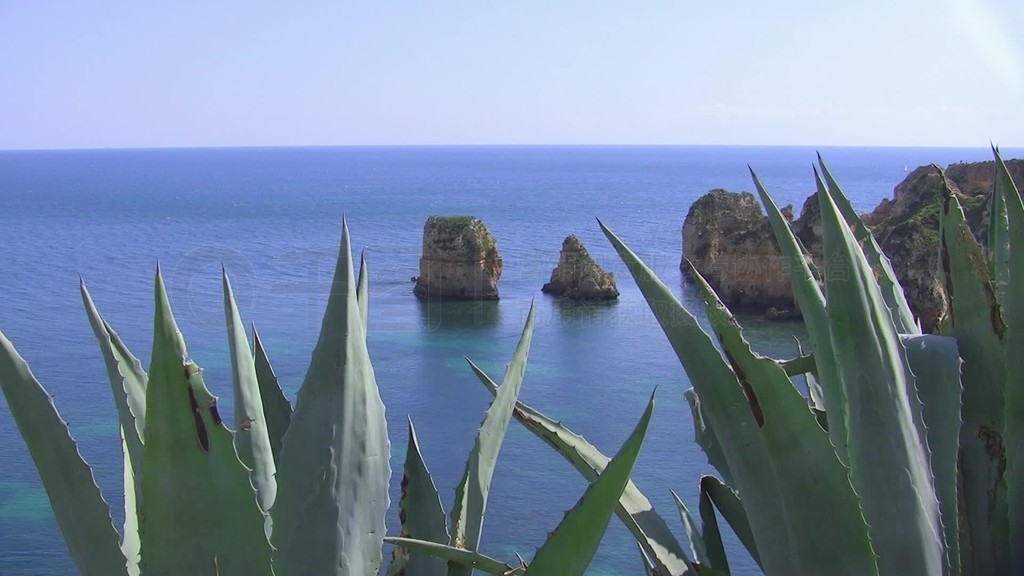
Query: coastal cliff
point(460, 260)
point(729, 240)
point(578, 277)
point(907, 227)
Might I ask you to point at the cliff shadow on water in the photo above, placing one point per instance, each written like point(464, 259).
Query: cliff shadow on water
point(439, 315)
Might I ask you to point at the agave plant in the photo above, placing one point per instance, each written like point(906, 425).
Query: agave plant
point(297, 490)
point(906, 455)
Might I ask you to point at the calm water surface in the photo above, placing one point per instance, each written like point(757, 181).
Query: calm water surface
point(272, 218)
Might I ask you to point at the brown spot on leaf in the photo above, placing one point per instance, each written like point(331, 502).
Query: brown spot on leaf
point(993, 441)
point(216, 415)
point(197, 418)
point(996, 317)
point(748, 391)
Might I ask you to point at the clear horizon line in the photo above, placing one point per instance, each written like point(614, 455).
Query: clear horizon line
point(435, 145)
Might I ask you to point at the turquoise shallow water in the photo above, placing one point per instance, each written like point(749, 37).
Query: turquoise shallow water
point(272, 217)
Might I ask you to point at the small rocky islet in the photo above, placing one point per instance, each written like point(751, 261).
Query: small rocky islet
point(578, 277)
point(728, 239)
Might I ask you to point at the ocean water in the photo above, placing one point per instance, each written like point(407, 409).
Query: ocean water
point(272, 218)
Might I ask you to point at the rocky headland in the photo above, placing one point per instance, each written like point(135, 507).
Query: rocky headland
point(729, 240)
point(578, 277)
point(460, 260)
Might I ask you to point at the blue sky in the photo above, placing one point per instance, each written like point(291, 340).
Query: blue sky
point(256, 73)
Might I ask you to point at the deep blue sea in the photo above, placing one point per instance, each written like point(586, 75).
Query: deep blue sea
point(272, 217)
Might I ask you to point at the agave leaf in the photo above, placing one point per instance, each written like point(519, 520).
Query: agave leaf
point(277, 410)
point(363, 292)
point(889, 457)
point(332, 485)
point(472, 491)
point(821, 510)
point(457, 556)
point(131, 543)
point(128, 386)
point(802, 364)
point(634, 509)
point(725, 408)
point(81, 513)
point(1013, 313)
point(885, 282)
point(731, 508)
point(888, 284)
point(649, 569)
point(127, 381)
point(1004, 192)
point(421, 514)
point(711, 534)
point(199, 515)
point(705, 436)
point(570, 548)
point(815, 395)
point(698, 549)
point(936, 363)
point(252, 441)
point(811, 300)
point(977, 324)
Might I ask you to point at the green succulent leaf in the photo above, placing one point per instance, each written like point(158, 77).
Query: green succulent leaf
point(936, 363)
point(634, 510)
point(199, 515)
point(731, 508)
point(81, 513)
point(889, 457)
point(128, 387)
point(725, 408)
point(811, 301)
point(127, 381)
point(570, 548)
point(645, 561)
point(1004, 193)
point(1013, 313)
point(131, 543)
point(277, 410)
point(421, 514)
point(252, 441)
point(888, 283)
point(694, 535)
point(363, 292)
point(712, 536)
point(472, 491)
point(821, 510)
point(977, 324)
point(705, 437)
point(457, 556)
point(332, 485)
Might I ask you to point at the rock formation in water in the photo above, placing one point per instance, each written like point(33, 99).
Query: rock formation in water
point(730, 242)
point(460, 260)
point(578, 277)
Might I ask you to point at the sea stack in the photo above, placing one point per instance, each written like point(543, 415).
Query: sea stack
point(730, 242)
point(578, 277)
point(460, 260)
